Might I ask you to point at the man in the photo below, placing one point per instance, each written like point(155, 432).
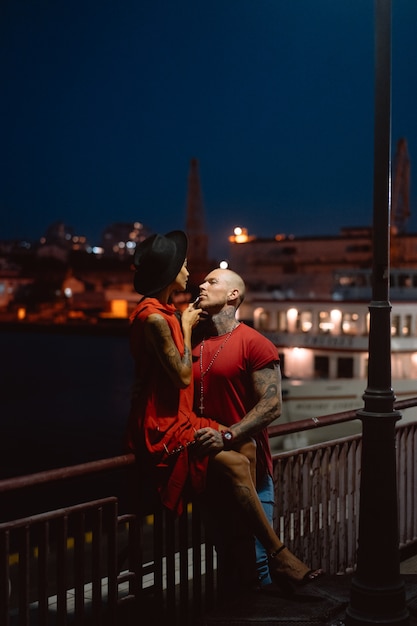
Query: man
point(237, 381)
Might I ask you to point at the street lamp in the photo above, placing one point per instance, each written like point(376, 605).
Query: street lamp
point(377, 591)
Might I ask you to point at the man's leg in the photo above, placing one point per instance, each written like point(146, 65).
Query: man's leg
point(266, 495)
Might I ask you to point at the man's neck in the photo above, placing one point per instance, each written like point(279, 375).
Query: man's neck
point(223, 322)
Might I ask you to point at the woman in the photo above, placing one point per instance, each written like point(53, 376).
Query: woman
point(167, 437)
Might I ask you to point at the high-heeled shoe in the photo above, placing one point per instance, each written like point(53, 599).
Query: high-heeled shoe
point(283, 577)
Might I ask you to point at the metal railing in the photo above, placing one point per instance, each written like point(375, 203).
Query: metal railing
point(102, 559)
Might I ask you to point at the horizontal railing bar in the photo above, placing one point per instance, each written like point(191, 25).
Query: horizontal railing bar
point(329, 420)
point(65, 473)
point(311, 423)
point(126, 460)
point(56, 513)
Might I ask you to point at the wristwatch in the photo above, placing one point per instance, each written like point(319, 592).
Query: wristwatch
point(227, 439)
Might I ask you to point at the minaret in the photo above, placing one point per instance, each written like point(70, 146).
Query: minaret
point(197, 256)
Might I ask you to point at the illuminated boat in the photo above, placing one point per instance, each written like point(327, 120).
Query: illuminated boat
point(323, 347)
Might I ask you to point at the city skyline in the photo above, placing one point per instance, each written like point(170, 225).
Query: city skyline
point(106, 104)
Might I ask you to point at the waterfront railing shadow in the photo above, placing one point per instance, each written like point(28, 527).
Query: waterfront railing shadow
point(82, 549)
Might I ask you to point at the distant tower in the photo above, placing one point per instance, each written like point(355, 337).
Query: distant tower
point(400, 200)
point(197, 255)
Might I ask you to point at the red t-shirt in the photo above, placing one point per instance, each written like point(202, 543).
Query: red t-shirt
point(227, 385)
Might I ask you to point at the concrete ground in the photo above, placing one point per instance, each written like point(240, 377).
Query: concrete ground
point(320, 605)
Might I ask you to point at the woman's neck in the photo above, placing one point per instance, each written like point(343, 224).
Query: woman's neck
point(163, 296)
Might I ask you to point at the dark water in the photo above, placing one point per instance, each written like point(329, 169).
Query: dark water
point(64, 399)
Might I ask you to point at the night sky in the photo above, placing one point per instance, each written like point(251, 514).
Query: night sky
point(104, 103)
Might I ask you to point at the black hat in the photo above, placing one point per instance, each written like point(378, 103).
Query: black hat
point(158, 260)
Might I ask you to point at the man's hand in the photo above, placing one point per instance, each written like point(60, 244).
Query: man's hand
point(208, 441)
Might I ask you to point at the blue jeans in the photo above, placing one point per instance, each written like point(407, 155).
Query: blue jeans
point(266, 495)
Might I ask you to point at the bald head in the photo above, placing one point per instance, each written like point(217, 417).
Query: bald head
point(235, 282)
point(222, 287)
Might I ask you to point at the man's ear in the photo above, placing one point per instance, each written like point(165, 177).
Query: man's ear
point(233, 295)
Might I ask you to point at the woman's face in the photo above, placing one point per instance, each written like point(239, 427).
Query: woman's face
point(182, 277)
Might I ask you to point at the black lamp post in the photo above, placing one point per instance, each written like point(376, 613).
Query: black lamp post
point(377, 591)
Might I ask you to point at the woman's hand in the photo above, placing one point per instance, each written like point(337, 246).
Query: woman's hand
point(190, 317)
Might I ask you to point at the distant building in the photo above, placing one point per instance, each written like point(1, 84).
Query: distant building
point(120, 239)
point(59, 241)
point(305, 266)
point(11, 282)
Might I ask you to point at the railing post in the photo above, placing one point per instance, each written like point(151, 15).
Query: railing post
point(377, 592)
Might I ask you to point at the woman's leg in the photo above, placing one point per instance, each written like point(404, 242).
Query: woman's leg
point(237, 467)
point(248, 449)
point(265, 493)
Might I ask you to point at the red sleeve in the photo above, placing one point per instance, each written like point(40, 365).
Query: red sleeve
point(260, 350)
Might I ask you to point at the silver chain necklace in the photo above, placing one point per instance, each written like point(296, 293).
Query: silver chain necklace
point(208, 368)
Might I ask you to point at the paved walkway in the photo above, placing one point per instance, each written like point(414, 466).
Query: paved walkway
point(409, 566)
point(321, 605)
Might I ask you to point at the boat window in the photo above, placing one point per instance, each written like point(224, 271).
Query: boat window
point(406, 329)
point(305, 321)
point(404, 280)
point(350, 323)
point(300, 321)
point(395, 325)
point(282, 321)
point(321, 366)
point(325, 323)
point(263, 320)
point(358, 248)
point(345, 367)
point(345, 281)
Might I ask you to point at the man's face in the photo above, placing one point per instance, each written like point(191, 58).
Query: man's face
point(214, 291)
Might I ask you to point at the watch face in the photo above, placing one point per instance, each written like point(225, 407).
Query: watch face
point(228, 436)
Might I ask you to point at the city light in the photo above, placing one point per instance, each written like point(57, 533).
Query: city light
point(240, 235)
